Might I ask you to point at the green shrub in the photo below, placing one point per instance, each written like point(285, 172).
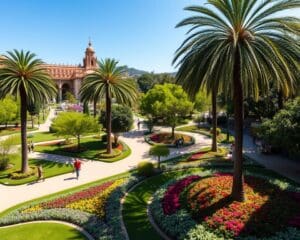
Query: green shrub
point(52, 130)
point(20, 175)
point(115, 153)
point(4, 163)
point(218, 131)
point(145, 169)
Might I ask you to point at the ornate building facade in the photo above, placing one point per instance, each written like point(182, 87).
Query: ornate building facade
point(68, 78)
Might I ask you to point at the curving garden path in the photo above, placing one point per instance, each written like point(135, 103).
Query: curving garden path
point(91, 170)
point(94, 170)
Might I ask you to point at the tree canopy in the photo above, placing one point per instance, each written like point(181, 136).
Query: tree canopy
point(159, 151)
point(8, 110)
point(121, 120)
point(74, 124)
point(168, 102)
point(283, 130)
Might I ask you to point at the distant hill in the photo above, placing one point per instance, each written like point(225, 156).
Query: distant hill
point(133, 72)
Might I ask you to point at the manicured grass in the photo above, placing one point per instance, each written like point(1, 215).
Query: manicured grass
point(50, 169)
point(221, 138)
point(10, 131)
point(92, 147)
point(135, 206)
point(39, 231)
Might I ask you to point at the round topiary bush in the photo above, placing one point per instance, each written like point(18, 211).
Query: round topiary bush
point(145, 169)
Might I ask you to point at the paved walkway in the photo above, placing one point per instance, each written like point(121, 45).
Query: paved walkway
point(94, 170)
point(275, 162)
point(91, 170)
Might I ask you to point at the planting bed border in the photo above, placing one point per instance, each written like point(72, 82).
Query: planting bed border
point(149, 141)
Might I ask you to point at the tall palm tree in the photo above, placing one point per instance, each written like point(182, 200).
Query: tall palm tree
point(23, 75)
point(214, 146)
point(108, 81)
point(238, 46)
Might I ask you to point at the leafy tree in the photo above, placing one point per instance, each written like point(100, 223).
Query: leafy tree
point(74, 124)
point(6, 147)
point(108, 81)
point(148, 80)
point(33, 109)
point(145, 82)
point(202, 101)
point(23, 75)
point(8, 110)
point(121, 120)
point(237, 47)
point(159, 151)
point(167, 101)
point(70, 97)
point(283, 131)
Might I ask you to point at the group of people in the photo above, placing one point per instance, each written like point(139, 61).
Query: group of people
point(30, 146)
point(179, 142)
point(76, 165)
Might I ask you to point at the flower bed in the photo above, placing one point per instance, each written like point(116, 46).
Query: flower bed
point(166, 139)
point(259, 215)
point(205, 211)
point(91, 200)
point(171, 201)
point(101, 225)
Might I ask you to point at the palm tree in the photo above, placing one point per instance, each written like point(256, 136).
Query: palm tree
point(108, 81)
point(238, 46)
point(23, 75)
point(214, 146)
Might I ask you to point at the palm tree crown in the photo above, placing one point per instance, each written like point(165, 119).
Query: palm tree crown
point(108, 81)
point(239, 46)
point(23, 71)
point(23, 75)
point(265, 44)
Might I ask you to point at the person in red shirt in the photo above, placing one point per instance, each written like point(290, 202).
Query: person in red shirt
point(77, 166)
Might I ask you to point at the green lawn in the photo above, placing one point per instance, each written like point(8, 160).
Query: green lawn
point(221, 138)
point(134, 209)
point(10, 131)
point(41, 231)
point(50, 169)
point(92, 147)
point(47, 136)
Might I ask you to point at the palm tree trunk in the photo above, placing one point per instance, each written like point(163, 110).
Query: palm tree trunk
point(23, 116)
point(108, 120)
point(95, 108)
point(238, 178)
point(214, 120)
point(78, 142)
point(32, 125)
point(173, 132)
point(280, 99)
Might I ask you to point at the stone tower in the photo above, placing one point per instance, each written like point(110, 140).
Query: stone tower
point(90, 60)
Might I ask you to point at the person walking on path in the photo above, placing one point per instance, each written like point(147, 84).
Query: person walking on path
point(29, 147)
point(40, 173)
point(77, 166)
point(139, 124)
point(32, 146)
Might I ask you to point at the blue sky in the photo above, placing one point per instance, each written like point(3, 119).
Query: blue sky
point(139, 33)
